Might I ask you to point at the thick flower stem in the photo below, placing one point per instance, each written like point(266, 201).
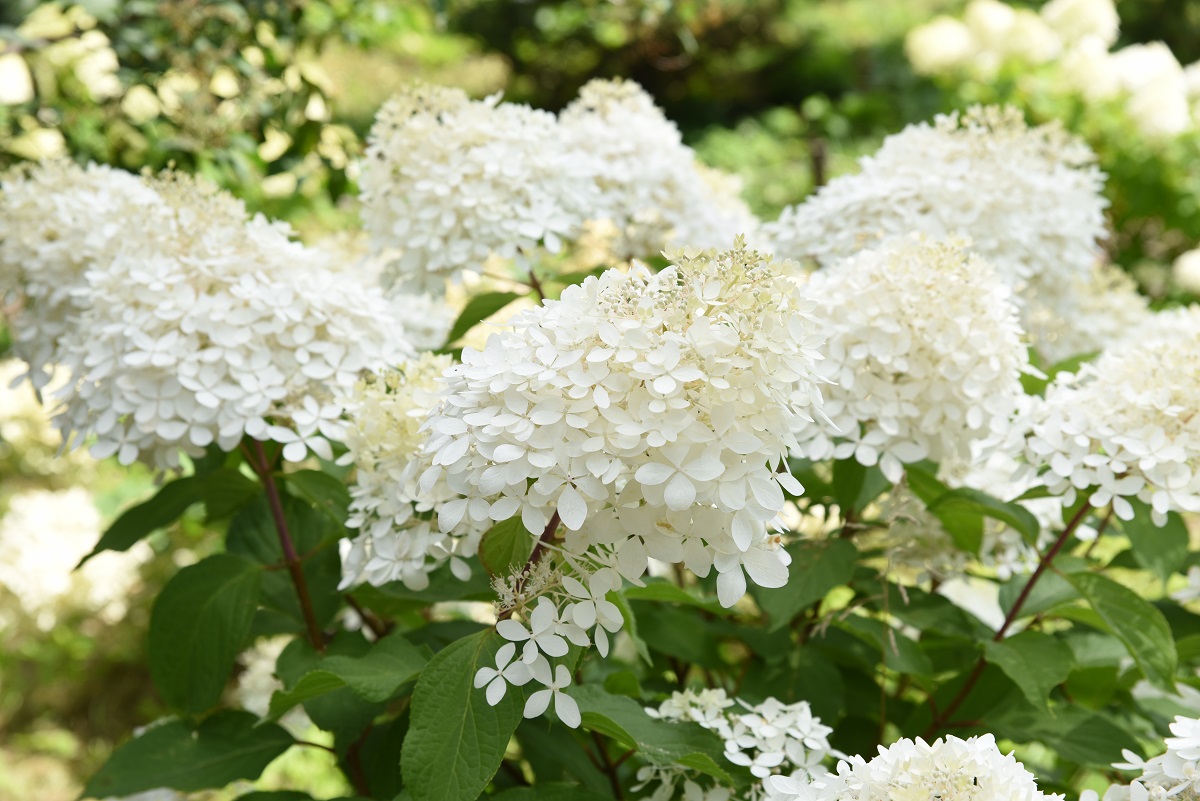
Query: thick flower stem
point(941, 719)
point(262, 467)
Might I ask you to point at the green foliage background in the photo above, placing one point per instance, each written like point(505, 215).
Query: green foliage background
point(271, 99)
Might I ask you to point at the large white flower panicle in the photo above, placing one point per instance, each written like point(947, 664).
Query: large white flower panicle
point(56, 220)
point(210, 327)
point(924, 355)
point(1174, 774)
point(646, 415)
point(770, 738)
point(650, 184)
point(1028, 199)
point(448, 181)
point(636, 405)
point(1125, 426)
point(396, 542)
point(949, 770)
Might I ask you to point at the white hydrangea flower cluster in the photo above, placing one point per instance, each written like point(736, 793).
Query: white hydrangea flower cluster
point(43, 536)
point(209, 327)
point(384, 441)
point(949, 770)
point(1125, 425)
point(924, 357)
point(56, 221)
point(1028, 199)
point(1071, 39)
point(1172, 775)
point(640, 408)
point(650, 184)
point(1186, 271)
point(771, 738)
point(449, 181)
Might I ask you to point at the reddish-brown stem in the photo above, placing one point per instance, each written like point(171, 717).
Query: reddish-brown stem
point(262, 467)
point(536, 285)
point(942, 720)
point(358, 776)
point(535, 557)
point(609, 767)
point(379, 628)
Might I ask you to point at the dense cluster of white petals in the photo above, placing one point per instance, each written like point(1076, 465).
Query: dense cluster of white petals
point(57, 220)
point(449, 181)
point(1125, 425)
point(1028, 199)
point(1083, 314)
point(647, 412)
point(650, 184)
point(384, 438)
point(924, 355)
point(43, 536)
point(770, 738)
point(1171, 775)
point(210, 327)
point(1071, 39)
point(949, 770)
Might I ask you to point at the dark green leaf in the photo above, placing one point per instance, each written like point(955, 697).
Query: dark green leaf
point(899, 652)
point(456, 740)
point(1140, 626)
point(1164, 551)
point(479, 308)
point(505, 547)
point(657, 741)
point(321, 490)
point(817, 567)
point(226, 747)
point(167, 505)
point(339, 711)
point(198, 626)
point(666, 592)
point(963, 509)
point(1052, 590)
point(854, 486)
point(227, 490)
point(1036, 662)
point(631, 625)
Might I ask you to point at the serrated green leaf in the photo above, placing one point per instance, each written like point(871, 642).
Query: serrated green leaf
point(226, 747)
point(1163, 551)
point(138, 522)
point(1036, 662)
point(665, 592)
point(1135, 622)
point(506, 547)
point(197, 627)
point(456, 740)
point(657, 741)
point(817, 567)
point(479, 308)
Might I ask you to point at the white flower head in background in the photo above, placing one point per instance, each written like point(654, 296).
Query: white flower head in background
point(1083, 314)
point(943, 44)
point(449, 181)
point(924, 356)
point(949, 769)
point(1075, 20)
point(650, 184)
point(43, 537)
point(1174, 774)
point(57, 220)
point(1028, 199)
point(1125, 424)
point(1186, 271)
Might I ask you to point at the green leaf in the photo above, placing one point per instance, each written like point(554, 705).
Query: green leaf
point(817, 567)
point(505, 547)
point(963, 509)
point(226, 747)
point(1036, 662)
point(321, 490)
point(664, 591)
point(899, 652)
point(339, 711)
point(226, 490)
point(1142, 628)
point(630, 625)
point(391, 663)
point(1163, 551)
point(854, 486)
point(479, 308)
point(658, 741)
point(167, 505)
point(378, 757)
point(456, 740)
point(1052, 590)
point(197, 627)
